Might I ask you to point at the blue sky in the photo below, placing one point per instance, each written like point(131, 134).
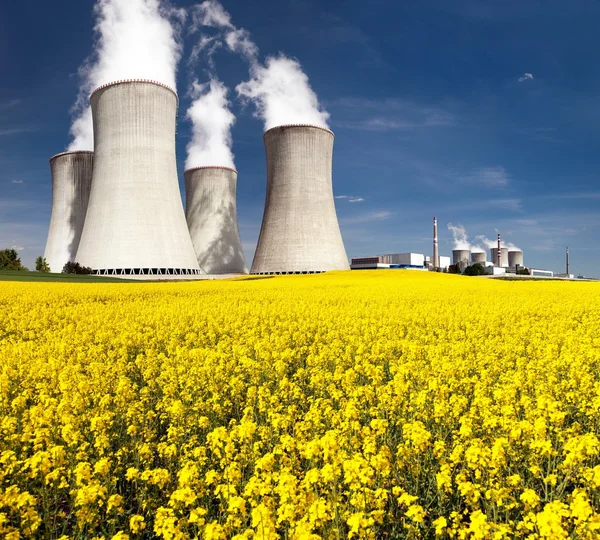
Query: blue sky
point(429, 101)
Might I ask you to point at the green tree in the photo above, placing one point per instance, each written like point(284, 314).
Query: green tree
point(76, 268)
point(476, 269)
point(9, 260)
point(41, 265)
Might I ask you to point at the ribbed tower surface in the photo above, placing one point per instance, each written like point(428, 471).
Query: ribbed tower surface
point(478, 257)
point(71, 184)
point(135, 220)
point(211, 213)
point(515, 256)
point(300, 230)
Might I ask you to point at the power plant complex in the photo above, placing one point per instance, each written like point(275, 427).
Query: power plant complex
point(118, 210)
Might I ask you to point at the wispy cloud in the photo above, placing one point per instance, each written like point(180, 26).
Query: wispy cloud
point(18, 248)
point(367, 217)
point(574, 196)
point(489, 177)
point(17, 130)
point(17, 182)
point(11, 104)
point(350, 198)
point(526, 77)
point(390, 114)
point(513, 205)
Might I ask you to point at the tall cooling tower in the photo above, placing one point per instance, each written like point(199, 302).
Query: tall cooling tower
point(300, 231)
point(478, 257)
point(460, 255)
point(211, 213)
point(135, 222)
point(503, 257)
point(515, 256)
point(71, 183)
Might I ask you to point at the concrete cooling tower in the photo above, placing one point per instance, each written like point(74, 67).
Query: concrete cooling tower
point(478, 257)
point(515, 256)
point(300, 232)
point(503, 257)
point(211, 214)
point(135, 224)
point(460, 255)
point(71, 183)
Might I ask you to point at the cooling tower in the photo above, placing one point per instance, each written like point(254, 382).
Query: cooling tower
point(515, 256)
point(211, 214)
point(478, 257)
point(300, 231)
point(71, 182)
point(460, 255)
point(135, 222)
point(503, 258)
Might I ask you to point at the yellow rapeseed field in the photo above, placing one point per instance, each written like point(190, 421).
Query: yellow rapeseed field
point(346, 405)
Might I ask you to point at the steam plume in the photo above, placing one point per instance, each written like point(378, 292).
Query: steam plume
point(279, 89)
point(282, 94)
point(460, 237)
point(135, 39)
point(494, 243)
point(212, 121)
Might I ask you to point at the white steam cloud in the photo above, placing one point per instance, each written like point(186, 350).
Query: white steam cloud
point(279, 89)
point(461, 239)
point(282, 94)
point(135, 39)
point(494, 243)
point(211, 126)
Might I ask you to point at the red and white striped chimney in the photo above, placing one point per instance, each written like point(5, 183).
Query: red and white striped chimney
point(499, 251)
point(436, 254)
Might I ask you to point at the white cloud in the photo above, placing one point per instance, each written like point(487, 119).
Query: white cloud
point(17, 182)
point(526, 77)
point(18, 248)
point(494, 176)
point(514, 205)
point(350, 198)
point(367, 217)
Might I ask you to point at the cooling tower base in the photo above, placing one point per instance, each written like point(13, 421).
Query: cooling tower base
point(147, 272)
point(299, 272)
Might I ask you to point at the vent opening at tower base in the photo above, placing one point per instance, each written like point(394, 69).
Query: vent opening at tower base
point(292, 273)
point(147, 272)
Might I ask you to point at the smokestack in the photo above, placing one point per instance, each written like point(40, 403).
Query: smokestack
point(71, 183)
point(499, 255)
point(568, 262)
point(300, 230)
point(436, 253)
point(211, 214)
point(135, 222)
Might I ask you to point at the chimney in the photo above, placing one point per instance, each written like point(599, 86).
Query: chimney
point(567, 262)
point(436, 253)
point(499, 258)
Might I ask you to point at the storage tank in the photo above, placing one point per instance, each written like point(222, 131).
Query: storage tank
point(460, 255)
point(300, 230)
point(478, 257)
point(503, 257)
point(211, 214)
point(515, 256)
point(71, 183)
point(135, 222)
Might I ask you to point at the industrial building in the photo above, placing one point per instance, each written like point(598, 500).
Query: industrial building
point(300, 232)
point(71, 184)
point(211, 213)
point(135, 223)
point(478, 257)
